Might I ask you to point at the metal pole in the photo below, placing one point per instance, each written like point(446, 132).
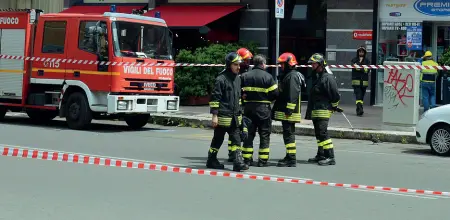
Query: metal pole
point(277, 50)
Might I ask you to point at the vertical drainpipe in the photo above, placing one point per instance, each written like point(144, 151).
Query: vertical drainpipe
point(373, 76)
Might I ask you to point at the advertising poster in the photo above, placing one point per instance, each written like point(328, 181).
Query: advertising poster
point(414, 37)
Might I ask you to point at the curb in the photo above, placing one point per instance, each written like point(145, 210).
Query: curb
point(308, 130)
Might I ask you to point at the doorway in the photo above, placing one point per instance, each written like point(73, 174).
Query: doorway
point(440, 41)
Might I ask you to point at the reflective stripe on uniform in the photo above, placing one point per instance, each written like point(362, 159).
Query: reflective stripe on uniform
point(358, 83)
point(259, 89)
point(247, 152)
point(359, 101)
point(321, 113)
point(264, 153)
point(290, 106)
point(263, 101)
point(226, 121)
point(214, 104)
point(327, 144)
point(335, 104)
point(295, 117)
point(291, 149)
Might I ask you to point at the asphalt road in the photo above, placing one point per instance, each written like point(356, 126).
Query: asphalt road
point(36, 189)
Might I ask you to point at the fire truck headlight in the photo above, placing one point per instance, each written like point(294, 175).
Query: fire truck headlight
point(122, 105)
point(171, 105)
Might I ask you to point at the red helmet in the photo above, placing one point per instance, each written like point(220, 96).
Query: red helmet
point(245, 53)
point(287, 58)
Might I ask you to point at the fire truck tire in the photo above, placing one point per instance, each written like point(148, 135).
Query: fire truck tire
point(137, 121)
point(3, 111)
point(78, 113)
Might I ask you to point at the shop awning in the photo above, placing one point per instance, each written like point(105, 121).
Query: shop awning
point(100, 9)
point(192, 16)
point(174, 15)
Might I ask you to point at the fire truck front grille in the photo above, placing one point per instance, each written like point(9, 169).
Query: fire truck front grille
point(146, 85)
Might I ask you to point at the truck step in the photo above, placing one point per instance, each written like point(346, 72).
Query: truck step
point(52, 92)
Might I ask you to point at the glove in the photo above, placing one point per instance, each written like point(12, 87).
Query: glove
point(337, 109)
point(246, 123)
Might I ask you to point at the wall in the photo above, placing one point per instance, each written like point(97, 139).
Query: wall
point(53, 6)
point(343, 17)
point(254, 24)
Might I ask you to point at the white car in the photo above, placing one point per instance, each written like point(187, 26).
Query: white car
point(433, 128)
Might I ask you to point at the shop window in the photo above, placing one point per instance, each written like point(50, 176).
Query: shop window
point(54, 37)
point(299, 12)
point(400, 41)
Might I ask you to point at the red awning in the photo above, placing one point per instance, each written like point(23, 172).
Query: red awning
point(192, 16)
point(100, 9)
point(174, 15)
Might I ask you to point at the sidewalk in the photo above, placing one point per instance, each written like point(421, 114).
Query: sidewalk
point(367, 127)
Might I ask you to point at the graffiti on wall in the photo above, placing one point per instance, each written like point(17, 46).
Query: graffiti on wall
point(398, 88)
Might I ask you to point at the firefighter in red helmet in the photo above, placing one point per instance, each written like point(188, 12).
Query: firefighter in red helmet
point(246, 58)
point(287, 107)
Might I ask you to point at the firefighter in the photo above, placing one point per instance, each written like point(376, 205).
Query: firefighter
point(226, 113)
point(360, 78)
point(260, 89)
point(324, 98)
point(246, 56)
point(287, 106)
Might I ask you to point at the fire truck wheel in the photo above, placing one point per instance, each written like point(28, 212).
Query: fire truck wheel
point(78, 113)
point(3, 111)
point(137, 121)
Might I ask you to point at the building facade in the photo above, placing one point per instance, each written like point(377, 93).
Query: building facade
point(48, 6)
point(344, 18)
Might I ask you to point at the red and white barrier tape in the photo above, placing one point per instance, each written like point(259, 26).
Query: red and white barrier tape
point(91, 62)
point(101, 161)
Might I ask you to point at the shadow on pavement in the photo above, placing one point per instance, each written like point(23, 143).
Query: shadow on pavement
point(200, 162)
point(62, 125)
point(421, 152)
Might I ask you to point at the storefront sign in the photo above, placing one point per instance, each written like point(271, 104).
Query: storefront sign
point(397, 26)
point(414, 38)
point(414, 10)
point(362, 35)
point(433, 7)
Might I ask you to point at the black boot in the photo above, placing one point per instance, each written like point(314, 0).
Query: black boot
point(212, 161)
point(262, 163)
point(231, 156)
point(359, 109)
point(319, 156)
point(288, 161)
point(248, 161)
point(238, 164)
point(329, 158)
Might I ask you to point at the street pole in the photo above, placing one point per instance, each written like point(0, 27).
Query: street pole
point(279, 14)
point(277, 50)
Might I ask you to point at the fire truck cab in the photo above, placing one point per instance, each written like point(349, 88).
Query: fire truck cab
point(83, 67)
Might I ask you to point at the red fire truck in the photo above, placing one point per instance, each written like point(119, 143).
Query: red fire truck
point(48, 83)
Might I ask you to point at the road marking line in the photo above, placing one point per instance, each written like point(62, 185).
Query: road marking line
point(104, 161)
point(397, 194)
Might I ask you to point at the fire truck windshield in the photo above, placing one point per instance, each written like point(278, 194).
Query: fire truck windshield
point(141, 40)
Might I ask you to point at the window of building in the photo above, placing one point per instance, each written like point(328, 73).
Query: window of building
point(300, 12)
point(399, 42)
point(93, 37)
point(54, 37)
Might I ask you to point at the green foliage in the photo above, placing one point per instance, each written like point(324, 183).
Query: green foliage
point(445, 58)
point(199, 81)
